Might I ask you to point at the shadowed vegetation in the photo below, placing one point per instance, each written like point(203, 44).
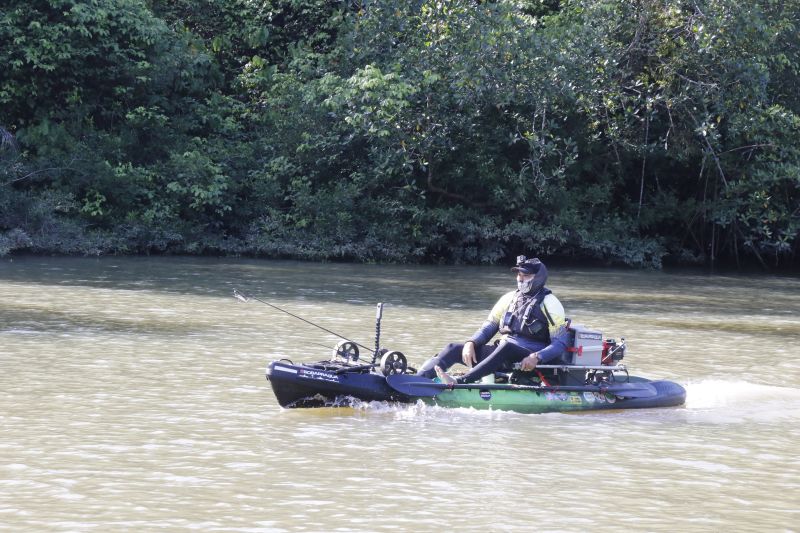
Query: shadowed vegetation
point(632, 133)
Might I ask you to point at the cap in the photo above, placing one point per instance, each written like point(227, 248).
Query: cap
point(527, 266)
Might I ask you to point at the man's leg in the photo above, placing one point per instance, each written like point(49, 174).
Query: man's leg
point(505, 354)
point(444, 359)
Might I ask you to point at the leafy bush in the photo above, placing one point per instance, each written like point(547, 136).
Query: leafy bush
point(633, 133)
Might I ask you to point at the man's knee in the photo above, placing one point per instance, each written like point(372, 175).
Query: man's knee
point(453, 346)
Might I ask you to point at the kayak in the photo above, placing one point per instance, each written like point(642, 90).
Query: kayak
point(588, 376)
point(335, 384)
point(566, 387)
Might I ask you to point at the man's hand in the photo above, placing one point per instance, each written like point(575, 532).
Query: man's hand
point(468, 354)
point(529, 363)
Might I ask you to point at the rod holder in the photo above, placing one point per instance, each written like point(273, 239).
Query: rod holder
point(378, 316)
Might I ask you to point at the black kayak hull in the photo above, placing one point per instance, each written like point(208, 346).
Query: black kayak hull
point(315, 386)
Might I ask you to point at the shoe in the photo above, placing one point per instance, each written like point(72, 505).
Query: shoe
point(444, 377)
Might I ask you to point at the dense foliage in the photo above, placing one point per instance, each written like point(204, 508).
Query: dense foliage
point(632, 132)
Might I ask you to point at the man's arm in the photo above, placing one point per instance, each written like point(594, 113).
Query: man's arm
point(557, 325)
point(559, 334)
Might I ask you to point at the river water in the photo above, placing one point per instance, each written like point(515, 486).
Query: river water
point(133, 398)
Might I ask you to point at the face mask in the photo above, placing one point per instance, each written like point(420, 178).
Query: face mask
point(525, 286)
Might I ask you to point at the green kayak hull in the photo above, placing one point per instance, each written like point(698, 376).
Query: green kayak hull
point(669, 395)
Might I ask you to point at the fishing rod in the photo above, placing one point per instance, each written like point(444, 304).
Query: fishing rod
point(244, 298)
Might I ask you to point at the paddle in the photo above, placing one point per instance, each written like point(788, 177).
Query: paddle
point(412, 385)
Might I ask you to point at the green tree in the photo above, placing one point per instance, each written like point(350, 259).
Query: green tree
point(402, 130)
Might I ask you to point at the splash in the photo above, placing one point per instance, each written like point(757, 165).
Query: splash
point(402, 411)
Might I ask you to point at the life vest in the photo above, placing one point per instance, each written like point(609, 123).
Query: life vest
point(526, 318)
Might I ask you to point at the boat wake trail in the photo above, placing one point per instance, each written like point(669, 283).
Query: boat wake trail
point(743, 401)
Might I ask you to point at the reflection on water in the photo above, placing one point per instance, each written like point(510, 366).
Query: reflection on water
point(132, 397)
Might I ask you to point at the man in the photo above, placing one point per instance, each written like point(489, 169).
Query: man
point(530, 320)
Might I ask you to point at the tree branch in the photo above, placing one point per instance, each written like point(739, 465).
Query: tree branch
point(26, 176)
point(443, 192)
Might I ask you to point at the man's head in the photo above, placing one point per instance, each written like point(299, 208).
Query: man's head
point(531, 274)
